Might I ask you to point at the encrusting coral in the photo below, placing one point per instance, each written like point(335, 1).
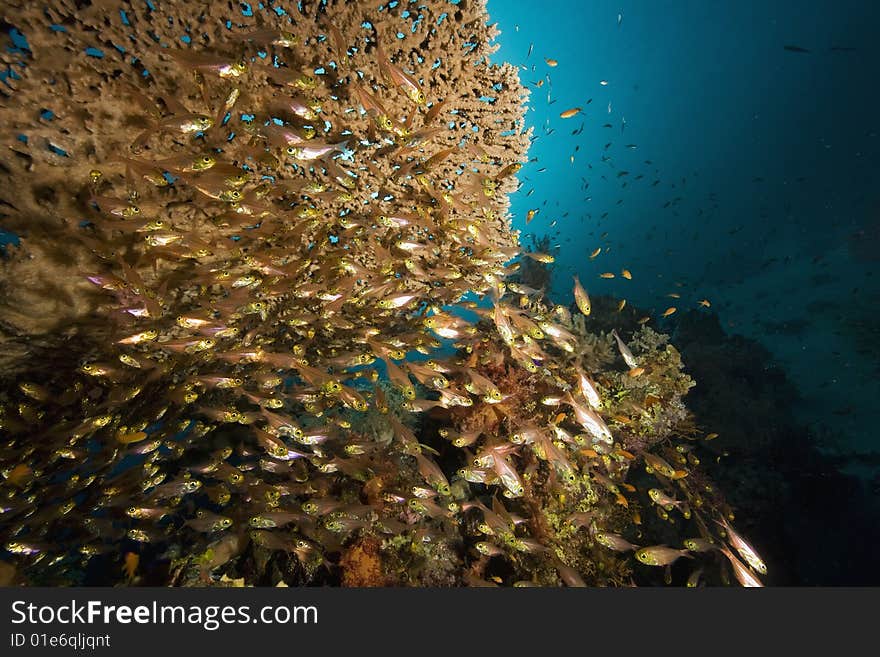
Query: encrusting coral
point(235, 333)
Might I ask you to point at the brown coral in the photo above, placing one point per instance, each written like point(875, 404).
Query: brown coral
point(361, 564)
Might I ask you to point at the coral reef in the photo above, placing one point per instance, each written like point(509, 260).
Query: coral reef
point(235, 345)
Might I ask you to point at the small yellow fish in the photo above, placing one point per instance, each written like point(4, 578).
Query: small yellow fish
point(531, 215)
point(711, 436)
point(669, 311)
point(137, 338)
point(34, 391)
point(567, 114)
point(626, 274)
point(644, 320)
point(660, 555)
point(595, 253)
point(621, 305)
point(127, 438)
point(550, 62)
point(606, 274)
point(544, 258)
point(581, 298)
point(636, 371)
point(705, 303)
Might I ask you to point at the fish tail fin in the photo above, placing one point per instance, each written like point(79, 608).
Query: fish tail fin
point(141, 139)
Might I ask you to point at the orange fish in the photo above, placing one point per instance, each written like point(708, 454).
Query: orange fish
point(567, 114)
point(705, 303)
point(711, 436)
point(674, 295)
point(595, 253)
point(550, 62)
point(581, 298)
point(669, 311)
point(636, 371)
point(626, 274)
point(19, 474)
point(131, 564)
point(531, 215)
point(622, 501)
point(644, 320)
point(606, 274)
point(621, 305)
point(127, 438)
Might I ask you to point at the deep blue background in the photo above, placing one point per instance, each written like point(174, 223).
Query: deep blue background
point(773, 155)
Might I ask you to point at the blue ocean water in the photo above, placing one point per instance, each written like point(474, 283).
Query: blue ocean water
point(720, 162)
